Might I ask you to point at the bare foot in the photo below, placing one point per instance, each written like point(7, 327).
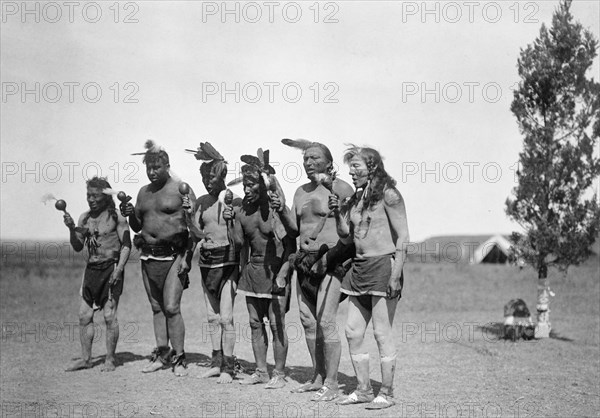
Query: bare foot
point(225, 378)
point(79, 364)
point(214, 371)
point(180, 370)
point(108, 366)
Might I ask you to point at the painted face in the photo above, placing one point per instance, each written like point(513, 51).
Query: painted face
point(251, 190)
point(97, 201)
point(213, 182)
point(358, 171)
point(157, 171)
point(315, 162)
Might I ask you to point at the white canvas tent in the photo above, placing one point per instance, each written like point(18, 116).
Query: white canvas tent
point(494, 250)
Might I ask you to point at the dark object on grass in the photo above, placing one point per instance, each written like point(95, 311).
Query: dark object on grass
point(517, 321)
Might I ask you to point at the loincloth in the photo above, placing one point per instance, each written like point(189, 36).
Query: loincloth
point(258, 277)
point(338, 263)
point(225, 255)
point(214, 279)
point(370, 276)
point(157, 271)
point(95, 287)
point(309, 281)
point(157, 259)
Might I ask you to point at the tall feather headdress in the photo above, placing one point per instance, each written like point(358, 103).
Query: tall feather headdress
point(206, 152)
point(261, 164)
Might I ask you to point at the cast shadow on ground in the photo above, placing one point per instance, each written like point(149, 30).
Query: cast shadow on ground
point(121, 358)
point(303, 374)
point(556, 336)
point(300, 374)
point(125, 357)
point(496, 330)
point(201, 360)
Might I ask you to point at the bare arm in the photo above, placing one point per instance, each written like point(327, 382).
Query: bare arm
point(193, 218)
point(396, 214)
point(194, 225)
point(231, 214)
point(125, 240)
point(133, 214)
point(76, 239)
point(289, 247)
point(342, 223)
point(186, 263)
point(287, 216)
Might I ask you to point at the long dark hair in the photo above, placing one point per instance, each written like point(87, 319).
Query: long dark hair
point(378, 178)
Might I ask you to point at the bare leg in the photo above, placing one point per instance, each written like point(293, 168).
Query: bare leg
point(213, 317)
point(309, 323)
point(383, 319)
point(280, 341)
point(86, 336)
point(112, 334)
point(258, 308)
point(356, 325)
point(172, 293)
point(155, 297)
point(228, 330)
point(328, 301)
point(260, 342)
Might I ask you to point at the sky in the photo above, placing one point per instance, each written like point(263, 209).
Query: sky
point(428, 84)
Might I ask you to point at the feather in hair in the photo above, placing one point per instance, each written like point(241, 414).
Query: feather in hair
point(210, 151)
point(206, 152)
point(251, 160)
point(235, 181)
point(264, 157)
point(151, 147)
point(302, 144)
point(260, 155)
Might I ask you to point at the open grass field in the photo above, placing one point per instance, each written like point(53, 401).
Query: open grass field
point(450, 360)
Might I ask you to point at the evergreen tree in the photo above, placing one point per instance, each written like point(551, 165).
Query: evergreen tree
point(558, 111)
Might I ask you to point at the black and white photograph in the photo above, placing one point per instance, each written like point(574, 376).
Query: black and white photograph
point(342, 208)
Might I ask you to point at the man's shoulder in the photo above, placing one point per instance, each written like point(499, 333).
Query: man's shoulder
point(391, 196)
point(237, 201)
point(342, 188)
point(301, 188)
point(207, 197)
point(143, 189)
point(304, 189)
point(173, 184)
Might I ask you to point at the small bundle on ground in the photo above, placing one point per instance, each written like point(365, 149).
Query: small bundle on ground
point(517, 321)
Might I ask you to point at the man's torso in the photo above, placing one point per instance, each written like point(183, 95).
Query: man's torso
point(102, 238)
point(312, 204)
point(161, 213)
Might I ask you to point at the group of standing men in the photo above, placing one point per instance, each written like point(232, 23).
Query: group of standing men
point(329, 229)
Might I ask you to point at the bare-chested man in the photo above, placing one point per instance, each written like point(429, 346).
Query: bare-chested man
point(374, 218)
point(264, 280)
point(106, 235)
point(166, 255)
point(218, 261)
point(319, 280)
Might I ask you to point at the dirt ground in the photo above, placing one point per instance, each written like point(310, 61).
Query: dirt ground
point(450, 360)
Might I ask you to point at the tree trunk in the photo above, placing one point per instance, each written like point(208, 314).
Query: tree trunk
point(542, 329)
